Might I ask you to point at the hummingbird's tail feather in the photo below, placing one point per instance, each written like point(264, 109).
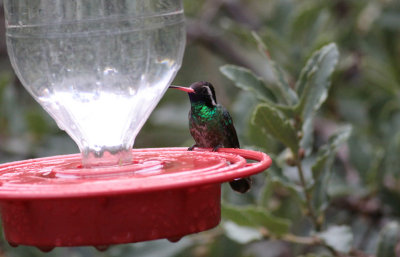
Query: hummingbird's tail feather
point(241, 185)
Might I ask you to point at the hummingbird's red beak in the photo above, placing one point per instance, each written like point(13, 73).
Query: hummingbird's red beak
point(185, 89)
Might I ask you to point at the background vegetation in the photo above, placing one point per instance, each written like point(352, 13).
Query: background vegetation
point(315, 84)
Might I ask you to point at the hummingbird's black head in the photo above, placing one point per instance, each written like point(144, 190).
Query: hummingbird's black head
point(203, 92)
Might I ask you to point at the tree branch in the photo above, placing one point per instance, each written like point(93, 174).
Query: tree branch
point(310, 209)
point(198, 32)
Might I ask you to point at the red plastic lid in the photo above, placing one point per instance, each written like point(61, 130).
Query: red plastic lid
point(151, 169)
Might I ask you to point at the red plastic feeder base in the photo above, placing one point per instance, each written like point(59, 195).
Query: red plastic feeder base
point(163, 193)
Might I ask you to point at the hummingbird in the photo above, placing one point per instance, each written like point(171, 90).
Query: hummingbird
point(211, 125)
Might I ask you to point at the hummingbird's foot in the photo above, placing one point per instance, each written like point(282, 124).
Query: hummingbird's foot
point(192, 147)
point(215, 149)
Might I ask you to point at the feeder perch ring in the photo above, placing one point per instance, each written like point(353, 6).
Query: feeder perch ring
point(163, 193)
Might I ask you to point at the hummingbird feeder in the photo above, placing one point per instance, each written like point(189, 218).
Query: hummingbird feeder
point(99, 68)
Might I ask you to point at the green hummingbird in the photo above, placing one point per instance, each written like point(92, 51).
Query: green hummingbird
point(211, 125)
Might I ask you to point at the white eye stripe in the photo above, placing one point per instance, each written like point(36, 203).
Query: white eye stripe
point(211, 94)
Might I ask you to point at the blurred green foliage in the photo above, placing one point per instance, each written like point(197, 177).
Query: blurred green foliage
point(295, 76)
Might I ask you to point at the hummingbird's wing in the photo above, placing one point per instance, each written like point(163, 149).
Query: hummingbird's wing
point(231, 139)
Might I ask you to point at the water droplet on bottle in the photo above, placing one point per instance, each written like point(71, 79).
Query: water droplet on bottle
point(110, 71)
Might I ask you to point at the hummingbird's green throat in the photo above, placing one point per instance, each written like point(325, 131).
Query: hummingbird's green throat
point(203, 112)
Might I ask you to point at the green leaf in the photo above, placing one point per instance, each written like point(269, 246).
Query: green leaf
point(277, 179)
point(237, 215)
point(294, 189)
point(339, 238)
point(307, 139)
point(314, 81)
point(248, 81)
point(275, 225)
point(279, 182)
point(272, 120)
point(283, 89)
point(389, 237)
point(255, 217)
point(312, 87)
point(328, 151)
point(322, 168)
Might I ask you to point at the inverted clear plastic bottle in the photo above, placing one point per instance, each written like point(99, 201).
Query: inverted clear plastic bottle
point(98, 67)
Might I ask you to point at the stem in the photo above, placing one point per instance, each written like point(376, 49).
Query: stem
point(309, 241)
point(310, 212)
point(301, 240)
